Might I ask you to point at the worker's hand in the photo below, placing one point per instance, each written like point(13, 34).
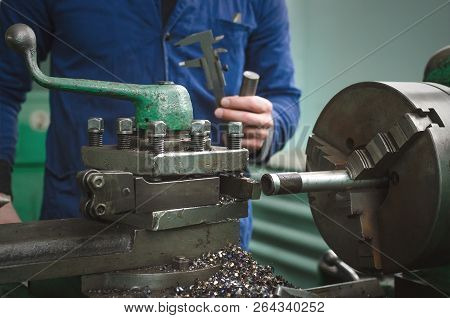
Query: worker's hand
point(8, 214)
point(254, 112)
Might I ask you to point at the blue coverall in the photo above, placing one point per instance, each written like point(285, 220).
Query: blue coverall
point(125, 41)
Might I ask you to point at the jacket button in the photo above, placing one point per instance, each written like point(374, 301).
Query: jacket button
point(167, 36)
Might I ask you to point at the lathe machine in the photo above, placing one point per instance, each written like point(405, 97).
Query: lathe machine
point(378, 184)
point(162, 195)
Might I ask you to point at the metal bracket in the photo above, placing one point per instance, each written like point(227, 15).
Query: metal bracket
point(164, 205)
point(107, 192)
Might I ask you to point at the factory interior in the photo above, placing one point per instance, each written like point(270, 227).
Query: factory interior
point(353, 202)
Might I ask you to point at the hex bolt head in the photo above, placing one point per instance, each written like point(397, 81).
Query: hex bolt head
point(133, 120)
point(96, 125)
point(200, 127)
point(98, 182)
point(235, 132)
point(124, 126)
point(95, 132)
point(157, 128)
point(156, 133)
point(235, 128)
point(207, 126)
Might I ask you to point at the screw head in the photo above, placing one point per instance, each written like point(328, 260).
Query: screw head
point(157, 128)
point(100, 209)
point(200, 127)
point(235, 128)
point(98, 182)
point(96, 125)
point(126, 192)
point(124, 126)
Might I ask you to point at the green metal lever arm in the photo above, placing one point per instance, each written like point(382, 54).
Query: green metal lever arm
point(170, 103)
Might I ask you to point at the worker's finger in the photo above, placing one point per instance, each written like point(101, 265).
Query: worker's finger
point(257, 133)
point(252, 144)
point(255, 104)
point(247, 118)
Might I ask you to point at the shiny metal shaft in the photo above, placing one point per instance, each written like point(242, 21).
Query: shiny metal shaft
point(249, 85)
point(297, 182)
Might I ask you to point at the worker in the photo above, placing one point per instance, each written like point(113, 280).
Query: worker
point(133, 42)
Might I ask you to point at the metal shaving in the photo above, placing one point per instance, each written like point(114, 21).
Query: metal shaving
point(240, 276)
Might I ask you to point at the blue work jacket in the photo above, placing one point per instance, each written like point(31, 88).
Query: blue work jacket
point(125, 41)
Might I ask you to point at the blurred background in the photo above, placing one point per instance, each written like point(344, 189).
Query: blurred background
point(334, 44)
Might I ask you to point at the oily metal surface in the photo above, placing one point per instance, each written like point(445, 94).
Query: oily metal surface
point(176, 218)
point(176, 194)
point(139, 247)
point(240, 187)
point(119, 192)
point(219, 159)
point(45, 241)
point(407, 222)
point(364, 288)
point(152, 280)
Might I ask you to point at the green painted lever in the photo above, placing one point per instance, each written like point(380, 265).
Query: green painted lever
point(169, 103)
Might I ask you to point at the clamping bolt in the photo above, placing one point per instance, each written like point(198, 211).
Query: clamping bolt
point(200, 130)
point(134, 135)
point(235, 133)
point(124, 130)
point(95, 132)
point(156, 134)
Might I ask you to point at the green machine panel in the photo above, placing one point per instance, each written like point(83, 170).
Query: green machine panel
point(285, 237)
point(28, 171)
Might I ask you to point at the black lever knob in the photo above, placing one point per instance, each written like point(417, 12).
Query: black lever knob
point(21, 38)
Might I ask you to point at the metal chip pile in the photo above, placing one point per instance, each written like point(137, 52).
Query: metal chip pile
point(240, 276)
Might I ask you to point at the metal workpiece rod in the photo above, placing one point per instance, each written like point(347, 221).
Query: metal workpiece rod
point(298, 182)
point(249, 84)
point(235, 130)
